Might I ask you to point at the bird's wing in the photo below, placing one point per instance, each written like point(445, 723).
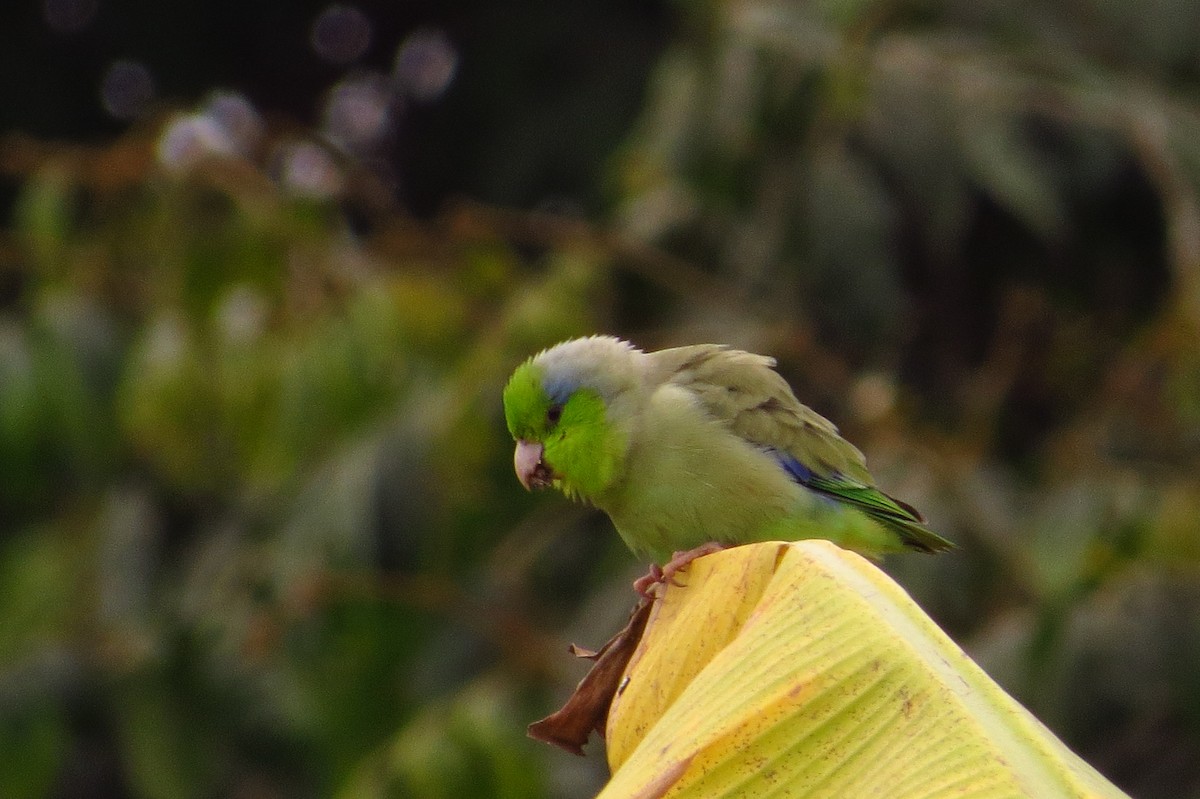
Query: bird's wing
point(744, 391)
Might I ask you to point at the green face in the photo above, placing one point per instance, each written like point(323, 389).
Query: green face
point(580, 448)
point(527, 405)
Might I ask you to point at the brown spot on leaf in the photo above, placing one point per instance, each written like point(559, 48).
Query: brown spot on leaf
point(666, 780)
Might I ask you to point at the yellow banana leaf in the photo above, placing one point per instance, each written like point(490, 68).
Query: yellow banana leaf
point(802, 670)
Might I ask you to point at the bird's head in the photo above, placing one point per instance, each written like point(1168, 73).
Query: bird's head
point(571, 409)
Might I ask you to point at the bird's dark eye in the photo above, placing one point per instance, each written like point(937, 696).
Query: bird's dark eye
point(554, 413)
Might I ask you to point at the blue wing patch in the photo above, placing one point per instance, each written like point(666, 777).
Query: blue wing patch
point(797, 470)
point(835, 488)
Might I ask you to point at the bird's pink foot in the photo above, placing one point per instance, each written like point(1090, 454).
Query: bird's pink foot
point(648, 580)
point(678, 562)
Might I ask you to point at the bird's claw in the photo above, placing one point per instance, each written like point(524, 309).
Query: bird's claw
point(645, 584)
point(666, 574)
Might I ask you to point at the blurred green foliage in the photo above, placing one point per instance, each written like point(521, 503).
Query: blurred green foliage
point(260, 535)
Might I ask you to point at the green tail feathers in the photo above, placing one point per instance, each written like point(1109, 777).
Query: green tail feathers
point(915, 535)
point(896, 515)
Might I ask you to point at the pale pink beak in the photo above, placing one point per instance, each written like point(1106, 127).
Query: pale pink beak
point(527, 460)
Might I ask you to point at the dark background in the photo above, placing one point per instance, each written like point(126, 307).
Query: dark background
point(542, 114)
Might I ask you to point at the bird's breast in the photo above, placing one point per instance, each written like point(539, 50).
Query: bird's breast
point(689, 480)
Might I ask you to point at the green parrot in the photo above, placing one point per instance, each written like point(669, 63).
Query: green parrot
point(696, 448)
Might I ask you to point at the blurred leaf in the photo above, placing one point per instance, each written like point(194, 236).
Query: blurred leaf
point(169, 755)
point(32, 741)
point(19, 413)
point(45, 214)
point(42, 576)
point(464, 747)
point(167, 406)
point(1067, 534)
point(1006, 165)
point(850, 233)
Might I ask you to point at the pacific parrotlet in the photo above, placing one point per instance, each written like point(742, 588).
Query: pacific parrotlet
point(694, 447)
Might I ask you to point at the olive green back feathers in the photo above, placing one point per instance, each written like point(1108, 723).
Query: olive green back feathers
point(745, 391)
